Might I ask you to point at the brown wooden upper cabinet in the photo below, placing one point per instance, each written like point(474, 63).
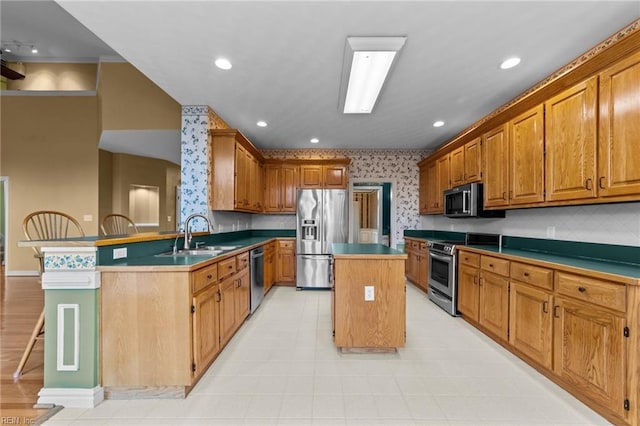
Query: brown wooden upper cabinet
point(466, 163)
point(329, 176)
point(619, 140)
point(496, 167)
point(526, 157)
point(236, 173)
point(570, 139)
point(280, 188)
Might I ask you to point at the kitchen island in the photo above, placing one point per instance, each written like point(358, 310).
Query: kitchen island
point(369, 298)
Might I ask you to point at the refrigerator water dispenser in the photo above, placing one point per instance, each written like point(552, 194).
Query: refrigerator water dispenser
point(309, 230)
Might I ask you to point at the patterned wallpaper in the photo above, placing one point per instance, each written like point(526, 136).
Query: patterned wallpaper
point(401, 165)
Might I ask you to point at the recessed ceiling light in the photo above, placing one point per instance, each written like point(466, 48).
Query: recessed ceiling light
point(510, 63)
point(261, 123)
point(223, 64)
point(7, 50)
point(34, 50)
point(438, 123)
point(314, 140)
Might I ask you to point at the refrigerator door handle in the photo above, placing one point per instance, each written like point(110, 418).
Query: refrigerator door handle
point(315, 256)
point(331, 261)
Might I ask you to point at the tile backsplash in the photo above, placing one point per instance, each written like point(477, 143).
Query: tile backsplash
point(596, 223)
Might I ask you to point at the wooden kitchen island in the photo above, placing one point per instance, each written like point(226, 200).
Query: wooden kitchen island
point(368, 307)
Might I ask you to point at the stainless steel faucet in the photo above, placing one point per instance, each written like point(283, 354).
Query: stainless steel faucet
point(188, 233)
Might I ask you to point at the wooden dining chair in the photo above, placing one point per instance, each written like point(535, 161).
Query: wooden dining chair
point(45, 225)
point(117, 224)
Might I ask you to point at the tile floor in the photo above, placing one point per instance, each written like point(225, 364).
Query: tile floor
point(282, 368)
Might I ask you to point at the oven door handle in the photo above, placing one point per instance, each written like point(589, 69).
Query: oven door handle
point(447, 259)
point(440, 297)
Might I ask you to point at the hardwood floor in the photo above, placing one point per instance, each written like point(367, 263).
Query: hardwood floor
point(21, 303)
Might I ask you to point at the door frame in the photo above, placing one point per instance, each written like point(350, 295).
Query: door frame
point(393, 241)
point(4, 182)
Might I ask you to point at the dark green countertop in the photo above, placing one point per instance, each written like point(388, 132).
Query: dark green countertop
point(606, 266)
point(364, 249)
point(144, 253)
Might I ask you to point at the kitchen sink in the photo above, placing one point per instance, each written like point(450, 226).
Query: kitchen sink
point(223, 248)
point(202, 251)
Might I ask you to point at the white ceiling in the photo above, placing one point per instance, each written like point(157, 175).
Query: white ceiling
point(287, 59)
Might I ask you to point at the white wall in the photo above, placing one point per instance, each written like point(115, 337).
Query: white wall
point(599, 223)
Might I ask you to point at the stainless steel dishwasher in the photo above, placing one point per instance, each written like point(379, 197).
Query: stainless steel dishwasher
point(257, 277)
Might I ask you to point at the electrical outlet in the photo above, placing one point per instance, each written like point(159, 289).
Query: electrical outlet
point(551, 231)
point(120, 253)
point(87, 218)
point(168, 218)
point(369, 293)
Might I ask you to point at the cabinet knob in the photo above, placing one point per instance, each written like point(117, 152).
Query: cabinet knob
point(582, 289)
point(209, 276)
point(491, 265)
point(526, 274)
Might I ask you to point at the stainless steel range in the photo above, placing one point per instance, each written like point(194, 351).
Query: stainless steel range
point(442, 274)
point(443, 282)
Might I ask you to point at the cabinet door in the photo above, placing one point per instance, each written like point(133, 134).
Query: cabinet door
point(206, 340)
point(423, 185)
point(619, 146)
point(473, 161)
point(589, 351)
point(272, 188)
point(494, 304)
point(227, 309)
point(286, 263)
point(252, 183)
point(570, 138)
point(334, 176)
point(432, 189)
point(531, 322)
point(526, 152)
point(242, 296)
point(468, 292)
point(457, 167)
point(241, 187)
point(496, 167)
point(423, 271)
point(288, 188)
point(269, 267)
point(444, 179)
point(310, 176)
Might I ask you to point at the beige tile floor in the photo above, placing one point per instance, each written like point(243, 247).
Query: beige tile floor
point(282, 368)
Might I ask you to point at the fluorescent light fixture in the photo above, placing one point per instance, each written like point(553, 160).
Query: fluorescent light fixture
point(438, 123)
point(509, 63)
point(367, 63)
point(314, 140)
point(223, 64)
point(261, 123)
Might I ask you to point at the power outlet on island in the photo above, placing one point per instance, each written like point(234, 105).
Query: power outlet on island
point(369, 293)
point(120, 253)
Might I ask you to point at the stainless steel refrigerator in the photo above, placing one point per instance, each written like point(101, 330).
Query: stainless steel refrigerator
point(322, 219)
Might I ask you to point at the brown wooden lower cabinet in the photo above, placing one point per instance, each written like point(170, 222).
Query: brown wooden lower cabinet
point(576, 328)
point(269, 266)
point(531, 322)
point(590, 351)
point(286, 262)
point(160, 330)
point(417, 263)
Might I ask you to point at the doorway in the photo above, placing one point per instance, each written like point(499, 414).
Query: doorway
point(372, 212)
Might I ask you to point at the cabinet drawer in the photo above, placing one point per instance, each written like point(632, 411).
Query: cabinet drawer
point(285, 244)
point(591, 290)
point(493, 264)
point(242, 261)
point(540, 277)
point(226, 267)
point(204, 277)
point(470, 259)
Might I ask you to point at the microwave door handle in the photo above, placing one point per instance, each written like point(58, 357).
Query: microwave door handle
point(465, 197)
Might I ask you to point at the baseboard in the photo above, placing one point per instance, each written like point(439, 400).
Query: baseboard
point(72, 397)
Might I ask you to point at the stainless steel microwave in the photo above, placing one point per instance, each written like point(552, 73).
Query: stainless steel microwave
point(467, 201)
